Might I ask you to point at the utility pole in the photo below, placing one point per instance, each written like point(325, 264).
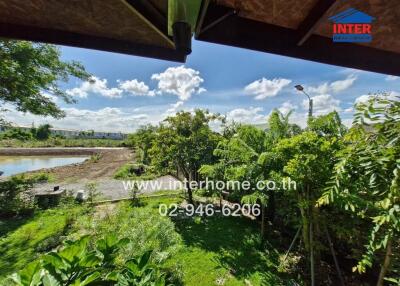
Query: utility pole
point(310, 101)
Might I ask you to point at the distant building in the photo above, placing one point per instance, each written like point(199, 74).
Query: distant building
point(76, 134)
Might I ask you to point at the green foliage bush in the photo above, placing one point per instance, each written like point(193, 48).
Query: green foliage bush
point(143, 226)
point(366, 180)
point(43, 132)
point(92, 191)
point(14, 198)
point(17, 134)
point(79, 263)
point(136, 171)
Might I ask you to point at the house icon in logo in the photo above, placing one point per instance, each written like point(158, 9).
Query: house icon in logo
point(353, 26)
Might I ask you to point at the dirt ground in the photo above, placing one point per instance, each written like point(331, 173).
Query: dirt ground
point(100, 169)
point(107, 163)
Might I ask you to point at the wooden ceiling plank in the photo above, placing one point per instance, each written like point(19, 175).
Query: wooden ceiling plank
point(203, 12)
point(314, 19)
point(214, 16)
point(150, 14)
point(59, 37)
point(249, 34)
point(217, 21)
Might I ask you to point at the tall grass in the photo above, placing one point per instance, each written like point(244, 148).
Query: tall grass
point(59, 142)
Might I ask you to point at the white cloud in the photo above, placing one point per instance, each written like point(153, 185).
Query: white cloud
point(335, 87)
point(286, 107)
point(264, 88)
point(349, 71)
point(201, 90)
point(323, 104)
point(249, 115)
point(111, 93)
point(391, 78)
point(174, 107)
point(50, 96)
point(136, 87)
point(107, 119)
point(95, 85)
point(320, 89)
point(340, 85)
point(362, 98)
point(349, 110)
point(77, 92)
point(348, 122)
point(392, 95)
point(180, 81)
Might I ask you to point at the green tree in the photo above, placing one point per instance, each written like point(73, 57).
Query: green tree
point(30, 70)
point(238, 161)
point(279, 127)
point(183, 143)
point(43, 132)
point(307, 159)
point(327, 125)
point(240, 158)
point(366, 180)
point(142, 140)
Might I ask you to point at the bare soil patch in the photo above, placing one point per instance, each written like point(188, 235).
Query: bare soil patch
point(104, 167)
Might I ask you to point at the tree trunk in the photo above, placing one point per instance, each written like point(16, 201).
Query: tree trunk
point(271, 207)
point(191, 176)
point(262, 221)
point(316, 233)
point(305, 224)
point(312, 264)
point(190, 196)
point(386, 263)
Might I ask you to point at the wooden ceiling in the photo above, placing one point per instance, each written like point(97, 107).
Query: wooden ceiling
point(301, 29)
point(288, 14)
point(111, 25)
point(295, 28)
point(291, 13)
point(385, 28)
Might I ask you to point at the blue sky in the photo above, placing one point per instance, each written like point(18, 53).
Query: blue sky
point(244, 85)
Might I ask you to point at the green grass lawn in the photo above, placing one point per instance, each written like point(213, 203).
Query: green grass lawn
point(201, 251)
point(23, 240)
point(226, 250)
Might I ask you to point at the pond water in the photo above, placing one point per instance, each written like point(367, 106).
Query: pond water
point(12, 165)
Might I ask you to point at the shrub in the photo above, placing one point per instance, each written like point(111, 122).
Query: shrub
point(131, 171)
point(79, 264)
point(95, 158)
point(41, 178)
point(43, 132)
point(92, 192)
point(14, 196)
point(17, 134)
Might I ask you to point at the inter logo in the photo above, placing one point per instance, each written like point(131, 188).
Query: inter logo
point(352, 26)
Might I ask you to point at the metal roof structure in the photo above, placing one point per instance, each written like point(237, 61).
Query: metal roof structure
point(294, 28)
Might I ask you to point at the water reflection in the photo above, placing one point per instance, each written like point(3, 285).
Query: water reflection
point(12, 165)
